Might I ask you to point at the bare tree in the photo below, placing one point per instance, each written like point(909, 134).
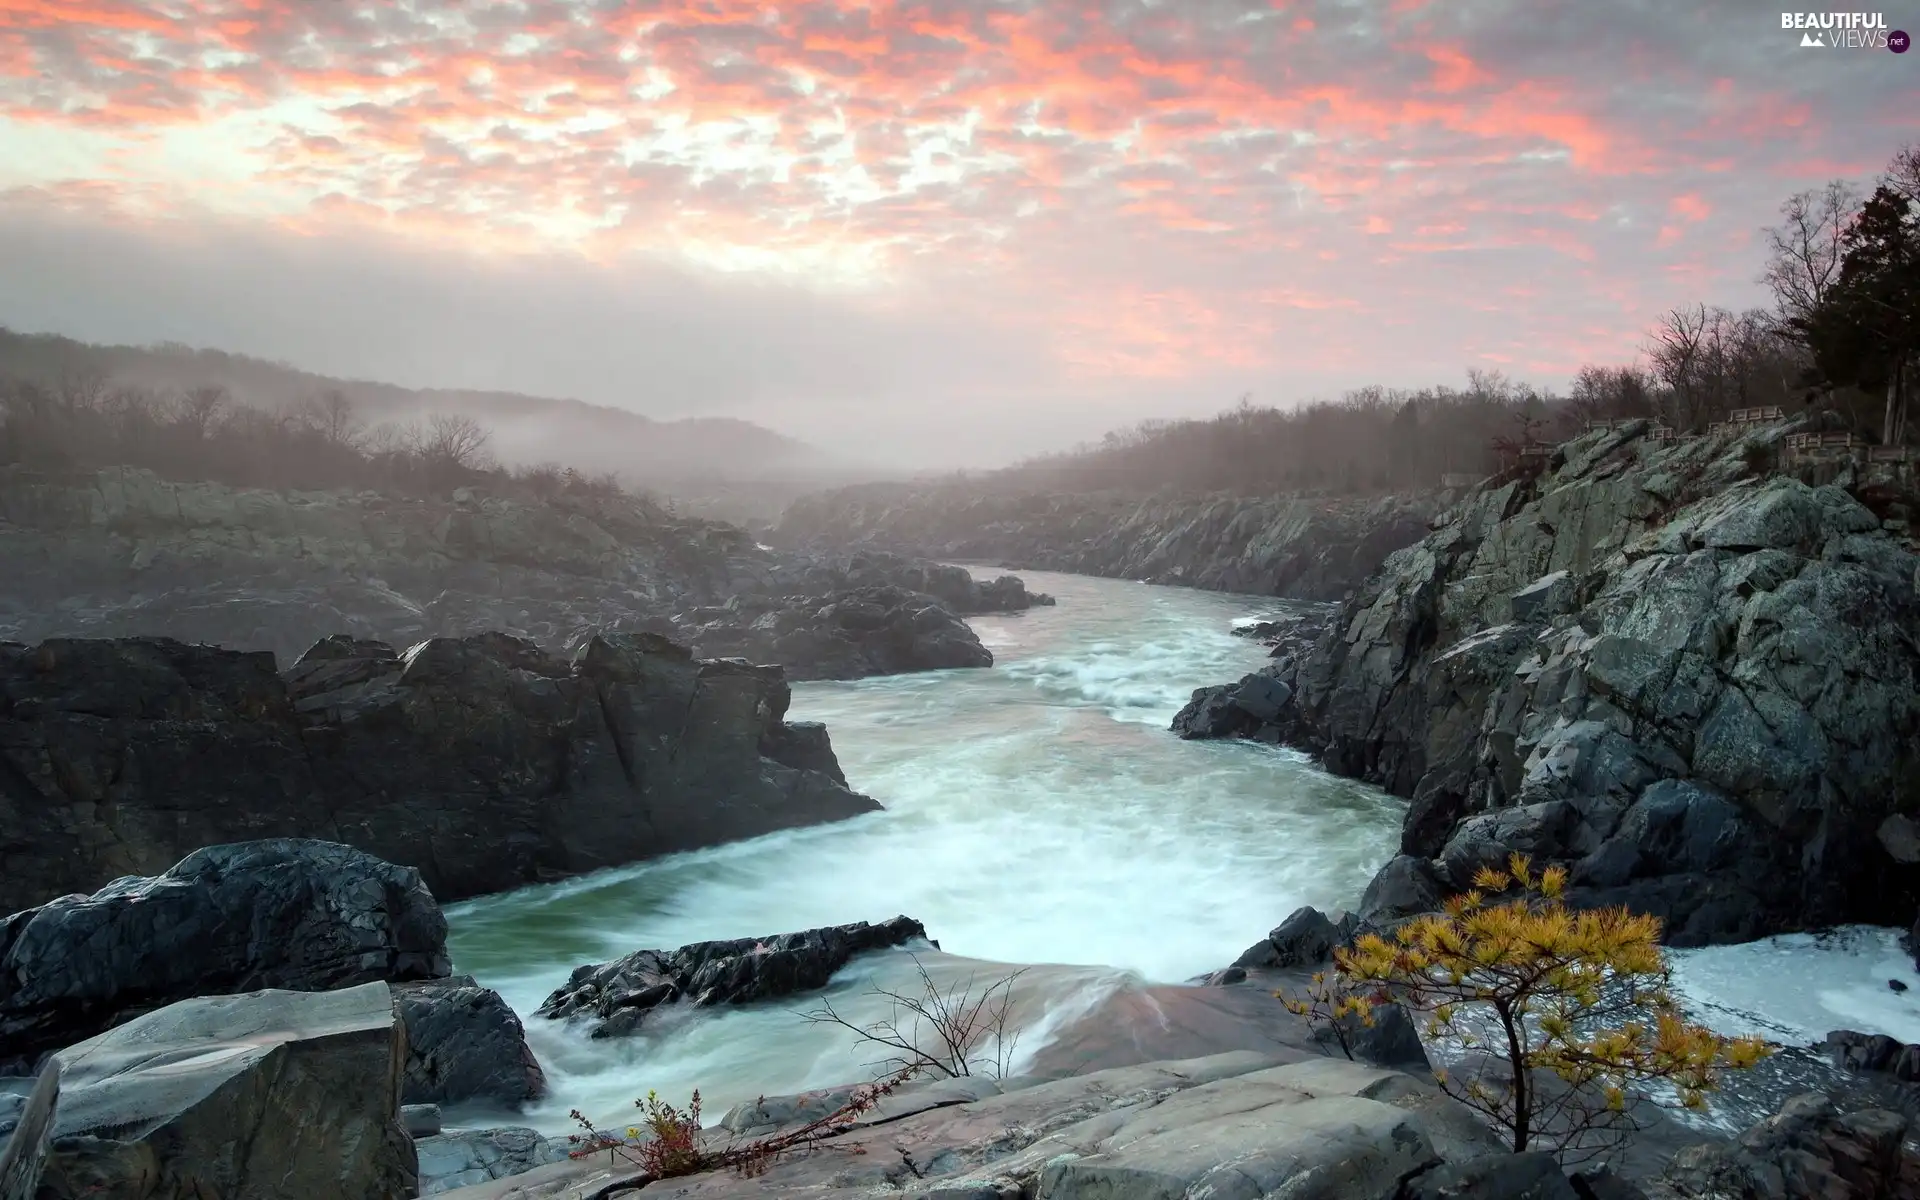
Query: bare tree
point(1680, 344)
point(1807, 247)
point(1903, 173)
point(198, 410)
point(455, 440)
point(330, 414)
point(951, 1031)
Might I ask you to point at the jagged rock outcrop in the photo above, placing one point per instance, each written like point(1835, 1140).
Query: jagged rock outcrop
point(1307, 548)
point(1696, 684)
point(294, 915)
point(616, 997)
point(1812, 1149)
point(272, 1093)
point(285, 913)
point(882, 630)
point(123, 552)
point(483, 761)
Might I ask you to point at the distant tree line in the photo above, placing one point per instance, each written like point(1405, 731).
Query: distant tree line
point(84, 421)
point(1843, 335)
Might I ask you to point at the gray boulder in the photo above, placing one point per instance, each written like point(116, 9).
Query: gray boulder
point(1534, 1175)
point(281, 913)
point(462, 1158)
point(267, 1094)
point(616, 997)
point(1812, 1149)
point(465, 1045)
point(849, 634)
point(1307, 938)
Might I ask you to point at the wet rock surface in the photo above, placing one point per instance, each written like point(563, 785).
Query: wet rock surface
point(615, 998)
point(484, 762)
point(1305, 548)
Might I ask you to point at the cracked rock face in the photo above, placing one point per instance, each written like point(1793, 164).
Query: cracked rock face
point(484, 761)
point(1697, 688)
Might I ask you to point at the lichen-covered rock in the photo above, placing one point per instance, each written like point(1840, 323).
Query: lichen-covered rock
point(484, 761)
point(1697, 687)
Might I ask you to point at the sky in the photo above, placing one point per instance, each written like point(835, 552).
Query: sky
point(924, 232)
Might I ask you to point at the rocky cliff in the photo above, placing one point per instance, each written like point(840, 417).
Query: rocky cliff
point(483, 761)
point(123, 552)
point(1692, 678)
point(1306, 548)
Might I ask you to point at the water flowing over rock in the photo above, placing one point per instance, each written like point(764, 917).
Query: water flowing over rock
point(123, 552)
point(1306, 548)
point(271, 1093)
point(1697, 687)
point(483, 761)
point(616, 997)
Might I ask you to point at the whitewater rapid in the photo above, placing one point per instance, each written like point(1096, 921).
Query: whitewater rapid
point(1036, 813)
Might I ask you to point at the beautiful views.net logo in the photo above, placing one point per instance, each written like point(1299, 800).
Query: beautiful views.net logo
point(1846, 31)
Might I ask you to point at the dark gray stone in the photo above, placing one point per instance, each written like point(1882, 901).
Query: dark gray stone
point(281, 913)
point(1534, 1175)
point(464, 1044)
point(615, 998)
point(483, 761)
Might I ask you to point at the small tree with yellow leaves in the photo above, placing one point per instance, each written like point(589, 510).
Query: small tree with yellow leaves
point(1578, 1005)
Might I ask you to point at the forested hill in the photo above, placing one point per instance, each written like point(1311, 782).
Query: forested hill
point(524, 429)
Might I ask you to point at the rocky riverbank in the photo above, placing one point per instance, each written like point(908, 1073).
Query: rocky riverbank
point(122, 552)
point(484, 761)
point(1692, 680)
point(1306, 548)
point(293, 998)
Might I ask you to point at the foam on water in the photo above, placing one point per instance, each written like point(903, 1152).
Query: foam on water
point(1037, 812)
point(1798, 987)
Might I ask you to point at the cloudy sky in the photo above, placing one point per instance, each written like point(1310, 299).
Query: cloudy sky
point(937, 231)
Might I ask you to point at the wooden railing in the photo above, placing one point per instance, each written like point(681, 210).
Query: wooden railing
point(1824, 441)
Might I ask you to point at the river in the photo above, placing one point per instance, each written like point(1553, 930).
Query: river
point(1037, 813)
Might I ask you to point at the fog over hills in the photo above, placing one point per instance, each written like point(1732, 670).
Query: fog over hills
point(723, 465)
